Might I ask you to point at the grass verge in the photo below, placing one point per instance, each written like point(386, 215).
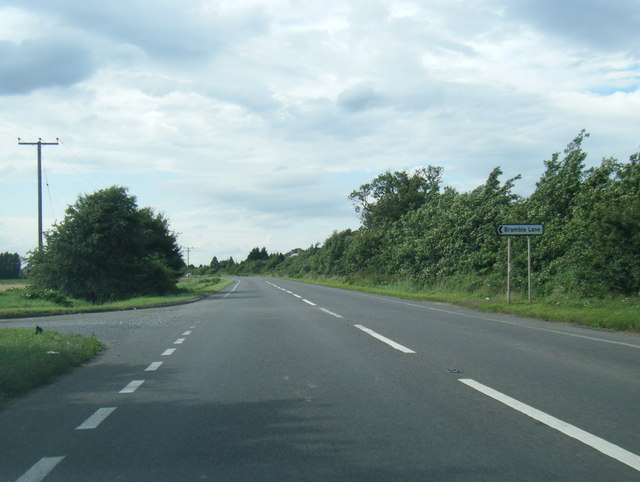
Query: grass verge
point(28, 359)
point(13, 303)
point(620, 314)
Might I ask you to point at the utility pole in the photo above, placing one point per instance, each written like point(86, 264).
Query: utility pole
point(39, 144)
point(188, 250)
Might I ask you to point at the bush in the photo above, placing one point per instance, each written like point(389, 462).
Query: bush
point(48, 295)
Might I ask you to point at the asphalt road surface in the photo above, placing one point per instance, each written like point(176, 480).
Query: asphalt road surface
point(278, 380)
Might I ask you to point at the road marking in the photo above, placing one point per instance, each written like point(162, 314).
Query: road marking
point(132, 387)
point(384, 339)
point(179, 341)
point(232, 290)
point(330, 313)
point(96, 419)
point(297, 296)
point(601, 445)
point(504, 322)
point(153, 366)
point(186, 333)
point(308, 302)
point(40, 469)
point(168, 352)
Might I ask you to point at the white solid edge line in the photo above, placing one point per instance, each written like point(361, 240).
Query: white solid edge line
point(232, 290)
point(168, 352)
point(330, 313)
point(40, 469)
point(132, 386)
point(308, 302)
point(384, 339)
point(96, 419)
point(153, 366)
point(601, 445)
point(504, 322)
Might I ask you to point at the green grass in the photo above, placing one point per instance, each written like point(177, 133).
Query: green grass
point(13, 304)
point(28, 359)
point(621, 314)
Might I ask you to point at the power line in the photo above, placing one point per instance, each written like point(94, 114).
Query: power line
point(39, 144)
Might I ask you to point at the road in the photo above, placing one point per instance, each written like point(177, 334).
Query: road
point(277, 380)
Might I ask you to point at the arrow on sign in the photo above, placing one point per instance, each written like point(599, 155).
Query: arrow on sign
point(520, 229)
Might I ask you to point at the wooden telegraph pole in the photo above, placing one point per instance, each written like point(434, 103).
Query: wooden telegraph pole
point(39, 144)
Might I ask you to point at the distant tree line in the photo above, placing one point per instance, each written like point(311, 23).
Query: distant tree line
point(414, 228)
point(10, 265)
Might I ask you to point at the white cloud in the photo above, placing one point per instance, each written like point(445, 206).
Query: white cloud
point(249, 123)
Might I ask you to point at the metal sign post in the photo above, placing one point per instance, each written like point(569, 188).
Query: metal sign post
point(527, 230)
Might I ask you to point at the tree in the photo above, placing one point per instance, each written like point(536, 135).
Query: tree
point(391, 195)
point(10, 265)
point(258, 254)
point(215, 265)
point(106, 248)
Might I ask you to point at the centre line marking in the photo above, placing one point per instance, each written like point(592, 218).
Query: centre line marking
point(168, 352)
point(186, 333)
point(179, 341)
point(96, 419)
point(308, 302)
point(384, 339)
point(132, 387)
point(601, 445)
point(331, 313)
point(297, 296)
point(40, 469)
point(153, 366)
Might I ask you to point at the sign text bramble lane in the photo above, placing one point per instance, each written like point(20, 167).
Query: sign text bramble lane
point(520, 229)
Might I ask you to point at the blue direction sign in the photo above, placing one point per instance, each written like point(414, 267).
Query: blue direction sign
point(520, 229)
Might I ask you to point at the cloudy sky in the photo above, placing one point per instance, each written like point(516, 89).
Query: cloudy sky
point(249, 123)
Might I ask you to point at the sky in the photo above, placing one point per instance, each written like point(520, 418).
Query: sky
point(249, 123)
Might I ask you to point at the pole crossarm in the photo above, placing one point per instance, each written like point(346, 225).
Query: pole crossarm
point(39, 143)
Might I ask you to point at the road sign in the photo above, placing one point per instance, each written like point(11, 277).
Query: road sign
point(520, 229)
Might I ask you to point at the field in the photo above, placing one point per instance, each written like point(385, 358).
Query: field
point(14, 304)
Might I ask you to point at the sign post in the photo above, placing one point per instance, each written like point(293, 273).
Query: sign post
point(527, 230)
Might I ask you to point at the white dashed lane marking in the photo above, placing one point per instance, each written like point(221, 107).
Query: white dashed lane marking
point(132, 386)
point(335, 315)
point(601, 445)
point(384, 339)
point(40, 469)
point(96, 419)
point(153, 366)
point(168, 352)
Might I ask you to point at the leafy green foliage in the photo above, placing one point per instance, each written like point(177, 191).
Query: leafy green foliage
point(391, 195)
point(48, 294)
point(106, 249)
point(10, 265)
point(415, 231)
